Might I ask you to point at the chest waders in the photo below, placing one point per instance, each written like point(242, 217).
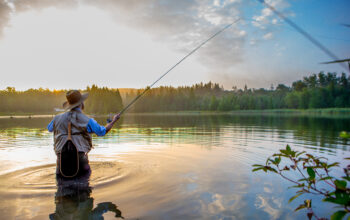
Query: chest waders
point(69, 157)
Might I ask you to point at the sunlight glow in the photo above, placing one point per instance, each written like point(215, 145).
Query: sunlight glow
point(75, 48)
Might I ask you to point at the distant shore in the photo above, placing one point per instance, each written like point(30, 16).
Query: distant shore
point(341, 112)
point(326, 112)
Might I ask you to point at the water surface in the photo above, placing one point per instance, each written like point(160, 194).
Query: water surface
point(164, 167)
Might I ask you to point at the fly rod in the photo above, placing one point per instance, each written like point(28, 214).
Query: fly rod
point(180, 61)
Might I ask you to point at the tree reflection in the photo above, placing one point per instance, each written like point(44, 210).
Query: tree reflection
point(320, 130)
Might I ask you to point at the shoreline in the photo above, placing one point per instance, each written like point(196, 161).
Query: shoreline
point(333, 112)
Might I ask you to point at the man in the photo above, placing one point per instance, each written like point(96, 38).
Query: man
point(72, 136)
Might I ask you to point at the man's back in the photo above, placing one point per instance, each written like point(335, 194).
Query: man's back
point(80, 135)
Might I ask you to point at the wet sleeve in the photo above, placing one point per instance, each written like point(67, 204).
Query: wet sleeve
point(50, 126)
point(94, 127)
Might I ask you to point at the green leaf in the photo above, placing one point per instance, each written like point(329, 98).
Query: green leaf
point(289, 150)
point(284, 152)
point(339, 215)
point(302, 206)
point(311, 172)
point(271, 169)
point(294, 197)
point(340, 184)
point(300, 153)
point(341, 198)
point(256, 169)
point(336, 164)
point(277, 160)
point(344, 134)
point(256, 165)
point(272, 161)
point(297, 186)
point(303, 179)
point(326, 178)
point(346, 178)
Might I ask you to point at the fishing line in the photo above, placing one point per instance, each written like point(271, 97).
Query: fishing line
point(180, 61)
point(304, 33)
point(279, 14)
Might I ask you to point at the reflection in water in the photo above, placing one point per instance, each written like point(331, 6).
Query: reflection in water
point(162, 167)
point(318, 131)
point(73, 201)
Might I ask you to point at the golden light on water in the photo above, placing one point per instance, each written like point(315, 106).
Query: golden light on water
point(149, 168)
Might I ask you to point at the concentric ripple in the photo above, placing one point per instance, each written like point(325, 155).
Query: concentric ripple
point(39, 179)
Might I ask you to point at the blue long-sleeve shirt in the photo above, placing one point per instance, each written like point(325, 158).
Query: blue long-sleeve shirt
point(92, 127)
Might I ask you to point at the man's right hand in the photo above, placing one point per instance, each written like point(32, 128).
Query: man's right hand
point(110, 124)
point(116, 117)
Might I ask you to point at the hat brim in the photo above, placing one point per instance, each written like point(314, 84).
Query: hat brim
point(68, 106)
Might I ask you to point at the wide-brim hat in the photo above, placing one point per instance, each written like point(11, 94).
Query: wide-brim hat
point(74, 99)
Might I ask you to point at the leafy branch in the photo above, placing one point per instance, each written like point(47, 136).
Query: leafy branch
point(315, 179)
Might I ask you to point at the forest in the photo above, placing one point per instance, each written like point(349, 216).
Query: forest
point(315, 91)
point(102, 100)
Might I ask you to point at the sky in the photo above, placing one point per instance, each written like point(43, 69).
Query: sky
point(71, 44)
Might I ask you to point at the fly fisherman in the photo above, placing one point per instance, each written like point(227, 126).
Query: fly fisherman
point(72, 136)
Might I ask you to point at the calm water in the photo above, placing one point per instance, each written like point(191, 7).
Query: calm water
point(164, 167)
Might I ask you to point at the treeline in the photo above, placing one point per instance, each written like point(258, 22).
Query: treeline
point(186, 98)
point(31, 100)
point(316, 91)
point(103, 100)
point(44, 101)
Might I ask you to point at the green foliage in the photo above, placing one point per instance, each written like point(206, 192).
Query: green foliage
point(316, 91)
point(41, 101)
point(344, 135)
point(314, 175)
point(166, 98)
point(31, 101)
point(103, 100)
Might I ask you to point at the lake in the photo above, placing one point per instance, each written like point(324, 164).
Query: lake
point(166, 167)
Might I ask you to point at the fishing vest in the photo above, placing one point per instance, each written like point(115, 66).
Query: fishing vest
point(80, 136)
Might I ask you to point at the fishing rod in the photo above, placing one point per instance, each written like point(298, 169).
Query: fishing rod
point(279, 14)
point(180, 61)
point(303, 32)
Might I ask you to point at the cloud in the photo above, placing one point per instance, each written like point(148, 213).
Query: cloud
point(5, 13)
point(268, 36)
point(186, 23)
point(266, 16)
point(183, 23)
point(9, 8)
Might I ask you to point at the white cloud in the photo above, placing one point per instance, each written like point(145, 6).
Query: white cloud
point(186, 23)
point(242, 33)
point(268, 36)
point(252, 42)
point(266, 16)
point(180, 25)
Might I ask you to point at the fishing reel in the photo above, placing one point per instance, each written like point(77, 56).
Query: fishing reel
point(109, 118)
